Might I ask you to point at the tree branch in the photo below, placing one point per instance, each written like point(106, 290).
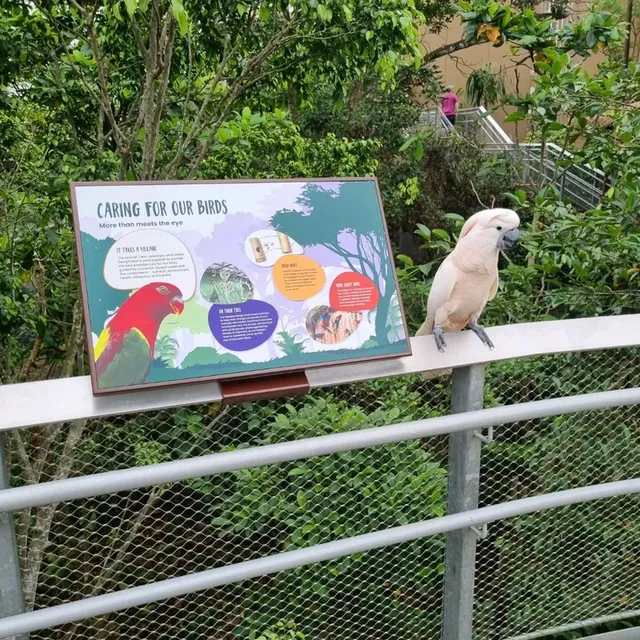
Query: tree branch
point(147, 107)
point(199, 123)
point(252, 66)
point(165, 54)
point(459, 45)
point(44, 517)
point(26, 470)
point(448, 49)
point(103, 84)
point(144, 52)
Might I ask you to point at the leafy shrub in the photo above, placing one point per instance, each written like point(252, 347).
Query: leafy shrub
point(280, 631)
point(271, 146)
point(205, 356)
point(283, 507)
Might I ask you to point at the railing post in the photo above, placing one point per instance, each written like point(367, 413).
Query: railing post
point(464, 488)
point(11, 602)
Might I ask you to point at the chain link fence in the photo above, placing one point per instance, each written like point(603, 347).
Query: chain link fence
point(533, 572)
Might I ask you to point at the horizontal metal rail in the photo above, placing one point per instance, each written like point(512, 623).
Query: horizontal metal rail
point(177, 470)
point(174, 587)
point(556, 152)
point(580, 625)
point(434, 117)
point(51, 401)
point(496, 138)
point(623, 634)
point(582, 184)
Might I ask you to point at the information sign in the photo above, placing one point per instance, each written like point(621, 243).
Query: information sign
point(193, 281)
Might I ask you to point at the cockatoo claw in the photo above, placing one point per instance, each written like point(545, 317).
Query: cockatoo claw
point(438, 334)
point(481, 333)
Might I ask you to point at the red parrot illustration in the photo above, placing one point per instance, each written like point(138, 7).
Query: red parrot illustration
point(125, 349)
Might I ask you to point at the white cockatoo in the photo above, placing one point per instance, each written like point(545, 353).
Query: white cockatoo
point(468, 277)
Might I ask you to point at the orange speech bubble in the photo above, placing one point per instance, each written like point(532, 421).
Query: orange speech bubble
point(298, 277)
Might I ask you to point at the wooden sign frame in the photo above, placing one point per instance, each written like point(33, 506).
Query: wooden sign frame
point(259, 383)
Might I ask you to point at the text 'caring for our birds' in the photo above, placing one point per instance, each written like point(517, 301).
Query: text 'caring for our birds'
point(161, 209)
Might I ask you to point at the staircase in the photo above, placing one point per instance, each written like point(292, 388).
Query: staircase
point(581, 185)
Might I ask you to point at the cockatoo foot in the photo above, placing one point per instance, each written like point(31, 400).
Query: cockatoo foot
point(438, 335)
point(481, 333)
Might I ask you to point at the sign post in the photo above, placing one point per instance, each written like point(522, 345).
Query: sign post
point(248, 283)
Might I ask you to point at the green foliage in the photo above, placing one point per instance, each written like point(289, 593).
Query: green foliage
point(271, 146)
point(166, 349)
point(594, 116)
point(279, 631)
point(92, 67)
point(205, 356)
point(485, 86)
point(377, 489)
point(491, 21)
point(561, 559)
point(147, 453)
point(289, 344)
point(371, 112)
point(454, 174)
point(579, 264)
point(619, 8)
point(584, 262)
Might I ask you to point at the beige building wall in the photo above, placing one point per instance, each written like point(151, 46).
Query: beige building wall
point(518, 78)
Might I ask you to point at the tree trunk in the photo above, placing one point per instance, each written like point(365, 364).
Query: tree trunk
point(627, 44)
point(44, 517)
point(292, 99)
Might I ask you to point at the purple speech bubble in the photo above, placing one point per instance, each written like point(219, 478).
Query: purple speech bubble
point(244, 326)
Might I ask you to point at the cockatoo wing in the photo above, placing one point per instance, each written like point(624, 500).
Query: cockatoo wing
point(441, 290)
point(494, 288)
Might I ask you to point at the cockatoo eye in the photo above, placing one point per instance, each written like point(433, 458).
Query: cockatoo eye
point(499, 228)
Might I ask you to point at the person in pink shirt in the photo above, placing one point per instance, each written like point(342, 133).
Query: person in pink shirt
point(449, 104)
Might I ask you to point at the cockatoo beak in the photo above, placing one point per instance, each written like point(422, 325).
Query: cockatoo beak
point(508, 240)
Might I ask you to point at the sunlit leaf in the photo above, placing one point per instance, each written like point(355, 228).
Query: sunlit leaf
point(177, 9)
point(131, 6)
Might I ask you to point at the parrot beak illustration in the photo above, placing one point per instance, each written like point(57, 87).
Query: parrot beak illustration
point(508, 240)
point(177, 305)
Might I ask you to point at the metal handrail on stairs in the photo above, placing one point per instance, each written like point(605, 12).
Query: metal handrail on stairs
point(547, 164)
point(582, 185)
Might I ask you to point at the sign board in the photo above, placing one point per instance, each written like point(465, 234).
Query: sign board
point(195, 281)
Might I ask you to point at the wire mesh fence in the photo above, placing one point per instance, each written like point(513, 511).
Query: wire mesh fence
point(574, 564)
point(586, 557)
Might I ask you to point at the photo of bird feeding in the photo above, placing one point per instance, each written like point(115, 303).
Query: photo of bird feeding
point(186, 282)
point(330, 326)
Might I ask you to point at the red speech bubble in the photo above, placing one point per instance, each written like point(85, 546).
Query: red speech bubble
point(352, 291)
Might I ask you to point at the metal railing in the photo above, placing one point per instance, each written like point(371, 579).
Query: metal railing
point(495, 138)
point(476, 119)
point(324, 516)
point(435, 118)
point(543, 165)
point(546, 164)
